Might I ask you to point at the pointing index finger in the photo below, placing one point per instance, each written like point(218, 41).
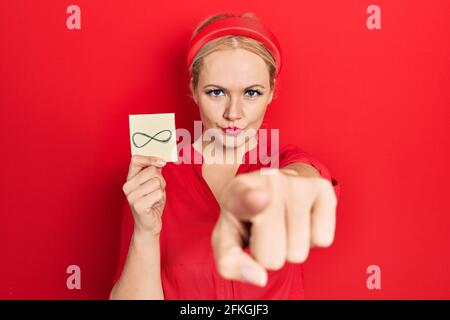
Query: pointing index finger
point(244, 201)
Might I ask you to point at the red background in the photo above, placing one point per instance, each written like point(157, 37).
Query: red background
point(373, 105)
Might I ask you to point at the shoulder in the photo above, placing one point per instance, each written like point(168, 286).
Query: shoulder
point(289, 153)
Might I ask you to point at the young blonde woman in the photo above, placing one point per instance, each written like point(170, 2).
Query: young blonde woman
point(216, 230)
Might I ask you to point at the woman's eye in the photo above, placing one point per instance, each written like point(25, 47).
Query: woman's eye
point(214, 91)
point(217, 92)
point(254, 93)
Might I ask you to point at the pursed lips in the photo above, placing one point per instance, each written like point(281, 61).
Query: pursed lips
point(232, 131)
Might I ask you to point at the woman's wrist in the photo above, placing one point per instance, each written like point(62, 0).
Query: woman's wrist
point(144, 237)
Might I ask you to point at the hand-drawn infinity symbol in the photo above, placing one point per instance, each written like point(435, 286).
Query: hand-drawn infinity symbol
point(152, 137)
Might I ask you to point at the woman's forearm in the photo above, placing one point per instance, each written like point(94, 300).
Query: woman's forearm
point(141, 276)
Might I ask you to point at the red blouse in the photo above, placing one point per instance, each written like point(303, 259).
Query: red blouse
point(187, 265)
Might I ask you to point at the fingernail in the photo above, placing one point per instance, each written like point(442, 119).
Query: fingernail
point(161, 162)
point(248, 274)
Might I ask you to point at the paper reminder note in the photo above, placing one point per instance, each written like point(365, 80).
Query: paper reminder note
point(154, 135)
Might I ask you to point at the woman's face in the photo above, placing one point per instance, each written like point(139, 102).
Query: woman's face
point(233, 92)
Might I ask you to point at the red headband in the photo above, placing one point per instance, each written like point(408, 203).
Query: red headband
point(240, 27)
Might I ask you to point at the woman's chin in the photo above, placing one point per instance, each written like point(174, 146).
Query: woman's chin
point(232, 141)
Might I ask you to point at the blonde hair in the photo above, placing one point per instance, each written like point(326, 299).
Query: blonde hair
point(230, 42)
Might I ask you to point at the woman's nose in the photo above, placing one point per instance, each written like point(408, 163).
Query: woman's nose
point(233, 111)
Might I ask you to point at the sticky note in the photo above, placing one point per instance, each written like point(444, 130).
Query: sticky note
point(154, 135)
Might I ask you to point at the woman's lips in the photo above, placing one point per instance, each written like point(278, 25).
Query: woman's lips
point(232, 131)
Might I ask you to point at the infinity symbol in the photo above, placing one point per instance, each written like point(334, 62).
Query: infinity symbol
point(152, 137)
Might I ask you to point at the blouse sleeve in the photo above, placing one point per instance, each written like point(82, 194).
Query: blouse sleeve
point(291, 153)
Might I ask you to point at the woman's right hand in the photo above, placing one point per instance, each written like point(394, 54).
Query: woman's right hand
point(145, 192)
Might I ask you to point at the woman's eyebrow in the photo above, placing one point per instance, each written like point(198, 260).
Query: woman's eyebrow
point(252, 86)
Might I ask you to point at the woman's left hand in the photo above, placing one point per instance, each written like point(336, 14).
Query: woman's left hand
point(279, 215)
